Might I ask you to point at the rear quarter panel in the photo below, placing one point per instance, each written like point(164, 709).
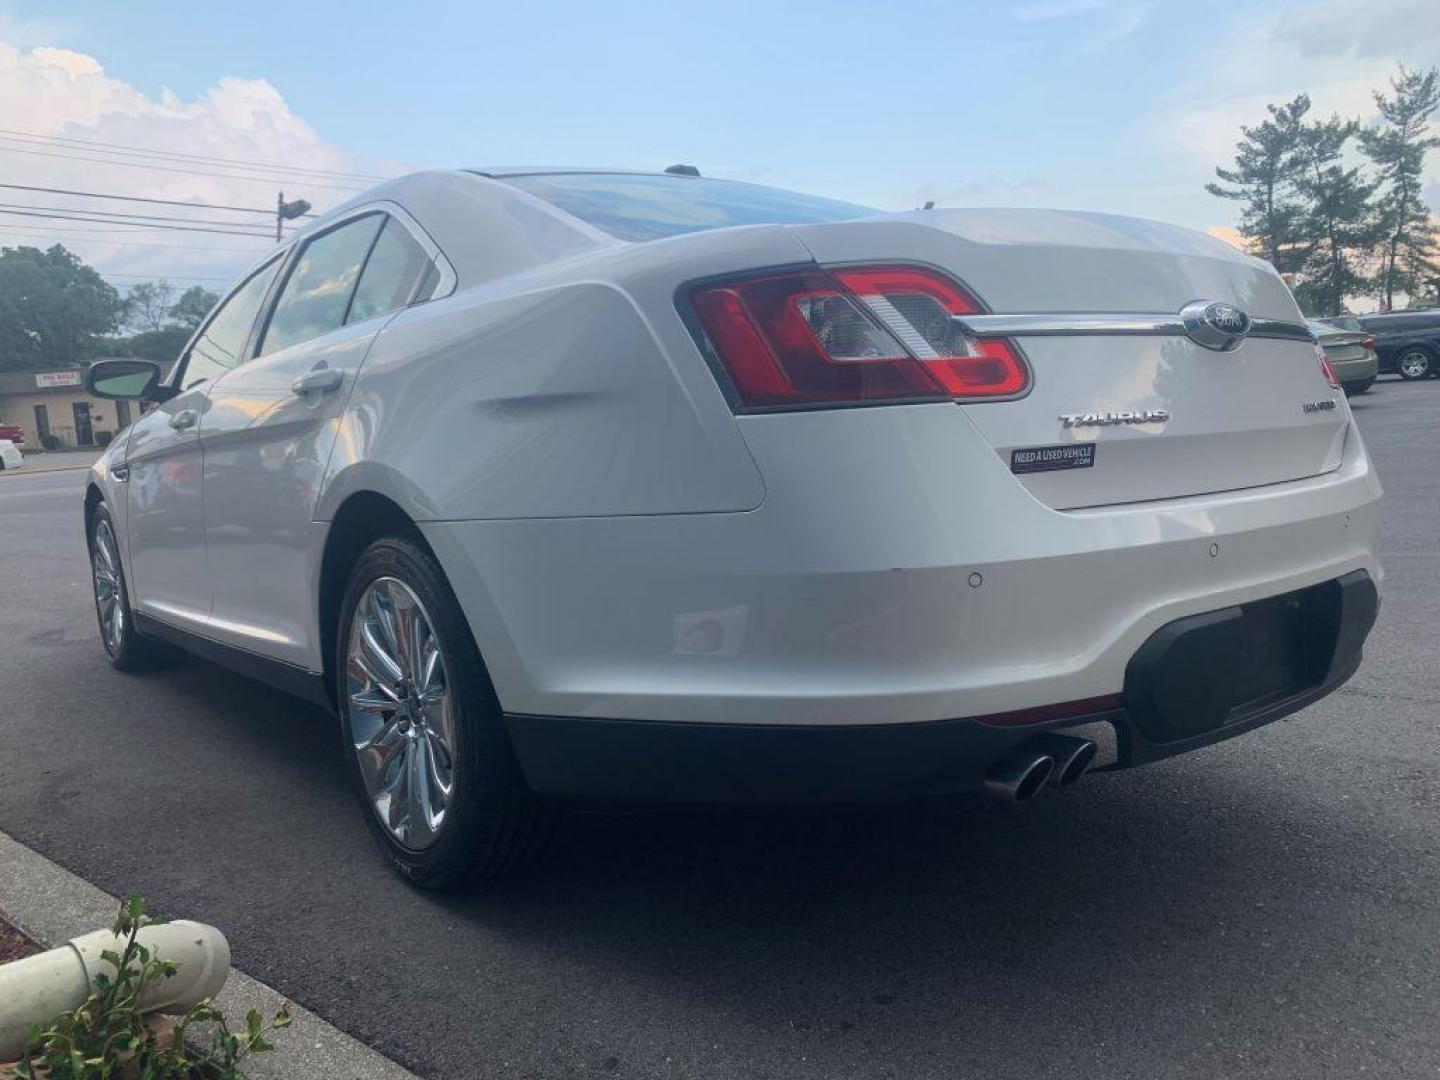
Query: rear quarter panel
point(571, 392)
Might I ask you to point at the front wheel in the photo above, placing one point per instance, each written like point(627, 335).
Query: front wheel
point(422, 729)
point(1414, 364)
point(128, 649)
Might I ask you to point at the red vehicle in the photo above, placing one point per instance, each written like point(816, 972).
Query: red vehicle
point(14, 432)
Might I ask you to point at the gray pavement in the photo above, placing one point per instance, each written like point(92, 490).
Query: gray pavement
point(52, 461)
point(1266, 908)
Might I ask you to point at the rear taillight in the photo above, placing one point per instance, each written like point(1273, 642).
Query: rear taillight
point(858, 335)
point(1326, 368)
point(1368, 344)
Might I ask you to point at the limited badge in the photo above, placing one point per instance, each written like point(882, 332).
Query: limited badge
point(1047, 458)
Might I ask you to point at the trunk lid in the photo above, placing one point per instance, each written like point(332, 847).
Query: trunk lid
point(1167, 417)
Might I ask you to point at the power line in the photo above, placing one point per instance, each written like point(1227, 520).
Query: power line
point(140, 198)
point(124, 217)
point(203, 159)
point(175, 169)
point(36, 232)
point(164, 277)
point(136, 224)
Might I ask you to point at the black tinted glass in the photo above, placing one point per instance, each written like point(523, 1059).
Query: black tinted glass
point(642, 207)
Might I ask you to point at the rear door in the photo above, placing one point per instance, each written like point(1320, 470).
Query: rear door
point(271, 424)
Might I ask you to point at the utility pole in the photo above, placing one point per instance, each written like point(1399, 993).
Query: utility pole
point(285, 211)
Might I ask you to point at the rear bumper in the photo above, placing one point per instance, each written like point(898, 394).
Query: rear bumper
point(895, 574)
point(1185, 688)
point(1355, 371)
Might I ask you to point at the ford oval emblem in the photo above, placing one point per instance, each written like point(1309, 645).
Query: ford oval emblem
point(1215, 324)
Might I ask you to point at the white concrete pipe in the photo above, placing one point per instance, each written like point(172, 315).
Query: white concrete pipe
point(40, 988)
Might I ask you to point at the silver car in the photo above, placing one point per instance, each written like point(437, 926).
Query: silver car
point(590, 487)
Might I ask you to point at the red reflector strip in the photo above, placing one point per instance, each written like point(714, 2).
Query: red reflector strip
point(1060, 711)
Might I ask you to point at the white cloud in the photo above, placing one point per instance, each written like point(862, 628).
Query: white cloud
point(1107, 20)
point(1337, 51)
point(1363, 28)
point(55, 92)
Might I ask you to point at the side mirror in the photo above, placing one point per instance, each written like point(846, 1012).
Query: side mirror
point(123, 378)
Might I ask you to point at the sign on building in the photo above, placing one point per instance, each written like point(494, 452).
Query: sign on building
point(44, 380)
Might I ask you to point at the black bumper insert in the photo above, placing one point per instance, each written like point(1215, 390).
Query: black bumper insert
point(1207, 674)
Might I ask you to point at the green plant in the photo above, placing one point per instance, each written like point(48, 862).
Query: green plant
point(107, 1036)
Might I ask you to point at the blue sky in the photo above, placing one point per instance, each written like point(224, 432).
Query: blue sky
point(1107, 105)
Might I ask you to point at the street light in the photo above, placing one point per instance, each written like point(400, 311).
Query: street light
point(286, 211)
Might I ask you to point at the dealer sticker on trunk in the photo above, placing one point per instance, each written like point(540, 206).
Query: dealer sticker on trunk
point(1048, 458)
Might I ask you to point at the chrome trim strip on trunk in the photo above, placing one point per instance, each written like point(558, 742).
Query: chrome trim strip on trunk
point(1108, 323)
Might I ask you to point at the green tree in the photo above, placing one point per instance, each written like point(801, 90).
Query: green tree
point(1269, 163)
point(52, 308)
point(192, 307)
point(1408, 261)
point(147, 305)
point(1339, 226)
point(158, 345)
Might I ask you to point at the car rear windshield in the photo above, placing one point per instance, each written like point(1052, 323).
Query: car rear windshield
point(638, 206)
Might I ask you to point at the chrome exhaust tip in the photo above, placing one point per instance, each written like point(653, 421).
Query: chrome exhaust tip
point(1072, 756)
point(1019, 775)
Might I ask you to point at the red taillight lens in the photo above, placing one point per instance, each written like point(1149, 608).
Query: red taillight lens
point(1369, 343)
point(858, 335)
point(1326, 368)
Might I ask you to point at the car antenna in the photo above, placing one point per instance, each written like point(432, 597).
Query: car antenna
point(683, 170)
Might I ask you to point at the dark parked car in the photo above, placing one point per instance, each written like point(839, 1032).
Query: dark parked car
point(1407, 342)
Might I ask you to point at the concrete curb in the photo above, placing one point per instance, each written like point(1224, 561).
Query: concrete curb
point(52, 905)
point(25, 470)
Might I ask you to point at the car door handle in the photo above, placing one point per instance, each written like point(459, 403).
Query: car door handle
point(319, 381)
point(184, 419)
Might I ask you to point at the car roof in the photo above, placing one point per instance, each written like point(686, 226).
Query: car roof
point(500, 171)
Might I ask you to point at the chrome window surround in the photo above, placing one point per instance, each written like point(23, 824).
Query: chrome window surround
point(1110, 323)
point(444, 287)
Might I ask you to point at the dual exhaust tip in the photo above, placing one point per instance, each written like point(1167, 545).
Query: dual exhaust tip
point(1047, 759)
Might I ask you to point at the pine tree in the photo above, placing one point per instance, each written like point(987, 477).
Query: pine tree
point(1339, 226)
point(1409, 261)
point(1269, 162)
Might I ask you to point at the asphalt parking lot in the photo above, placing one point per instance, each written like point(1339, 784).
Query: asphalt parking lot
point(1269, 907)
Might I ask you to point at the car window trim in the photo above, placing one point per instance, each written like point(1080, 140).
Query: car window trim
point(273, 302)
point(360, 277)
point(445, 284)
point(176, 380)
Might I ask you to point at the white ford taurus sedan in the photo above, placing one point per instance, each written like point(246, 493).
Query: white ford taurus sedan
point(596, 488)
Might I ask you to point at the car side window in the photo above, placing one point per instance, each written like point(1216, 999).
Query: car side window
point(316, 295)
point(394, 274)
point(220, 344)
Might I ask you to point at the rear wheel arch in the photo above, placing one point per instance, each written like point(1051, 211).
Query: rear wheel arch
point(363, 518)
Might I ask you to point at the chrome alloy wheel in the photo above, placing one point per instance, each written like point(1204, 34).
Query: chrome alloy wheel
point(1414, 364)
point(109, 598)
point(401, 720)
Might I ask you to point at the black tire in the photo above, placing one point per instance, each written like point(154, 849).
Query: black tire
point(1420, 362)
point(1355, 389)
point(128, 649)
point(492, 823)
